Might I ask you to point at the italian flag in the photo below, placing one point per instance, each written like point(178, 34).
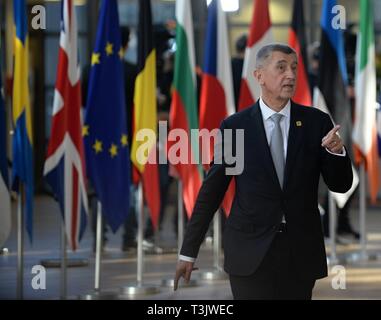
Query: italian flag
point(183, 112)
point(365, 133)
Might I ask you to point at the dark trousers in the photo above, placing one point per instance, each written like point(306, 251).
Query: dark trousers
point(275, 279)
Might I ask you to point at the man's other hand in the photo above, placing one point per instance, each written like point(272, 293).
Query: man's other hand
point(184, 269)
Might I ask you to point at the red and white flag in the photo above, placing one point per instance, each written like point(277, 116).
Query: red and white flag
point(259, 36)
point(65, 164)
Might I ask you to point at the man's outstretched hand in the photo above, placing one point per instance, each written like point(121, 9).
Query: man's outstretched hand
point(332, 141)
point(184, 269)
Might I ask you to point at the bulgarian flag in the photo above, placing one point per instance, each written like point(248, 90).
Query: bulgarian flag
point(365, 132)
point(259, 36)
point(183, 112)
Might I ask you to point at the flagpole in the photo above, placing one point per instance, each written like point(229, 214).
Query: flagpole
point(180, 212)
point(217, 273)
point(139, 288)
point(362, 255)
point(20, 244)
point(63, 262)
point(140, 253)
point(97, 294)
point(217, 240)
point(98, 247)
point(332, 260)
point(363, 236)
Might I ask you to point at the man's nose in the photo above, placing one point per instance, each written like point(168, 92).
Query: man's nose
point(291, 73)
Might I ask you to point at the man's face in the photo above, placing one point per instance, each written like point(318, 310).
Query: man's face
point(277, 76)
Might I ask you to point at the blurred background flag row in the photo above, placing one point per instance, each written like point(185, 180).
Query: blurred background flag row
point(100, 145)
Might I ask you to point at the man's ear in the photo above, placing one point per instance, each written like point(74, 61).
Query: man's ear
point(258, 76)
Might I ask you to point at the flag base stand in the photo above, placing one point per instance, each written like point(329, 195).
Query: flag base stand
point(72, 262)
point(135, 290)
point(170, 283)
point(361, 257)
point(214, 275)
point(100, 295)
point(4, 251)
point(333, 261)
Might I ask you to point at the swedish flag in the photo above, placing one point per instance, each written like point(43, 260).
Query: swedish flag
point(105, 128)
point(22, 114)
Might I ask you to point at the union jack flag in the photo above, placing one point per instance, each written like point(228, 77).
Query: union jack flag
point(65, 164)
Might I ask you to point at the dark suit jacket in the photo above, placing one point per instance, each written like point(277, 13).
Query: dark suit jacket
point(259, 201)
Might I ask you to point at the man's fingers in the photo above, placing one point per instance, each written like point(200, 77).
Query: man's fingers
point(187, 275)
point(184, 269)
point(177, 277)
point(331, 133)
point(335, 129)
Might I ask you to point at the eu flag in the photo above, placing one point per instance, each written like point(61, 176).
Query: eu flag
point(105, 128)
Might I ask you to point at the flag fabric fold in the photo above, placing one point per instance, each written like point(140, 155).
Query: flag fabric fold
point(183, 112)
point(105, 129)
point(330, 94)
point(5, 200)
point(260, 35)
point(22, 168)
point(64, 167)
point(297, 40)
point(365, 129)
point(145, 114)
point(216, 97)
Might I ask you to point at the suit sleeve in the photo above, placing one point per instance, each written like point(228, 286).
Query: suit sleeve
point(336, 170)
point(208, 201)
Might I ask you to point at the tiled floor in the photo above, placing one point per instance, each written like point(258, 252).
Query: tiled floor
point(363, 280)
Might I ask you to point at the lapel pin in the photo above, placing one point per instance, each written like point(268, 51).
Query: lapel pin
point(298, 123)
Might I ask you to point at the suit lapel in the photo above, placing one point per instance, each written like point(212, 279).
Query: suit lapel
point(295, 139)
point(260, 143)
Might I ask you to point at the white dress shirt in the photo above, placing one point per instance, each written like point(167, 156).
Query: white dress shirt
point(269, 125)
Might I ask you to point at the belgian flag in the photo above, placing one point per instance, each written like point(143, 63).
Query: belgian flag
point(145, 113)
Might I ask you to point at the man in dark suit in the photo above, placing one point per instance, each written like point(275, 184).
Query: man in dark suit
point(273, 240)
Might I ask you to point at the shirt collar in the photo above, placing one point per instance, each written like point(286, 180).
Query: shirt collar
point(267, 112)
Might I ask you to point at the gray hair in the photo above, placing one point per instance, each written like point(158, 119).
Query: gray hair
point(267, 50)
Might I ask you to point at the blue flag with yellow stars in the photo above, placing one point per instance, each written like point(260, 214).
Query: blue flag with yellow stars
point(105, 127)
